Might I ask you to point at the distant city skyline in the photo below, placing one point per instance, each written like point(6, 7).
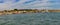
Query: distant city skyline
point(27, 4)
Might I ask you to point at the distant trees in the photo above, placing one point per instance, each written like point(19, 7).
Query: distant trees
point(5, 10)
point(23, 9)
point(15, 9)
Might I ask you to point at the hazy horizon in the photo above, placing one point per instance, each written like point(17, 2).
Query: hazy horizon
point(29, 4)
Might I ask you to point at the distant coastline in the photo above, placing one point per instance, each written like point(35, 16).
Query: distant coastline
point(20, 11)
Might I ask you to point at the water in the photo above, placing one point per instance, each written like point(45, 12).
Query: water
point(31, 19)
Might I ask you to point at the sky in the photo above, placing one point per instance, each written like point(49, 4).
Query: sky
point(29, 4)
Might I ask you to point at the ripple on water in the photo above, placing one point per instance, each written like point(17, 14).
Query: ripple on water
point(31, 19)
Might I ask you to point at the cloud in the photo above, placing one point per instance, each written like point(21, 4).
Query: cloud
point(32, 4)
point(6, 4)
point(39, 4)
point(1, 1)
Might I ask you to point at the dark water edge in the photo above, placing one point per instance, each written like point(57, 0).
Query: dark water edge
point(31, 19)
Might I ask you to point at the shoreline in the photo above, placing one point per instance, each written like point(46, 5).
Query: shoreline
point(22, 11)
point(28, 13)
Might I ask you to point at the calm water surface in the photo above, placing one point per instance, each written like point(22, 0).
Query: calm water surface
point(31, 19)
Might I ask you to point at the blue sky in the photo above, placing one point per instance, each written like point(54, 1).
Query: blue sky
point(27, 4)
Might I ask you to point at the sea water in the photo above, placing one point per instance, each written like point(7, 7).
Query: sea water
point(31, 19)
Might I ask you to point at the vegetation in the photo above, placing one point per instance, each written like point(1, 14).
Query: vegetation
point(16, 9)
